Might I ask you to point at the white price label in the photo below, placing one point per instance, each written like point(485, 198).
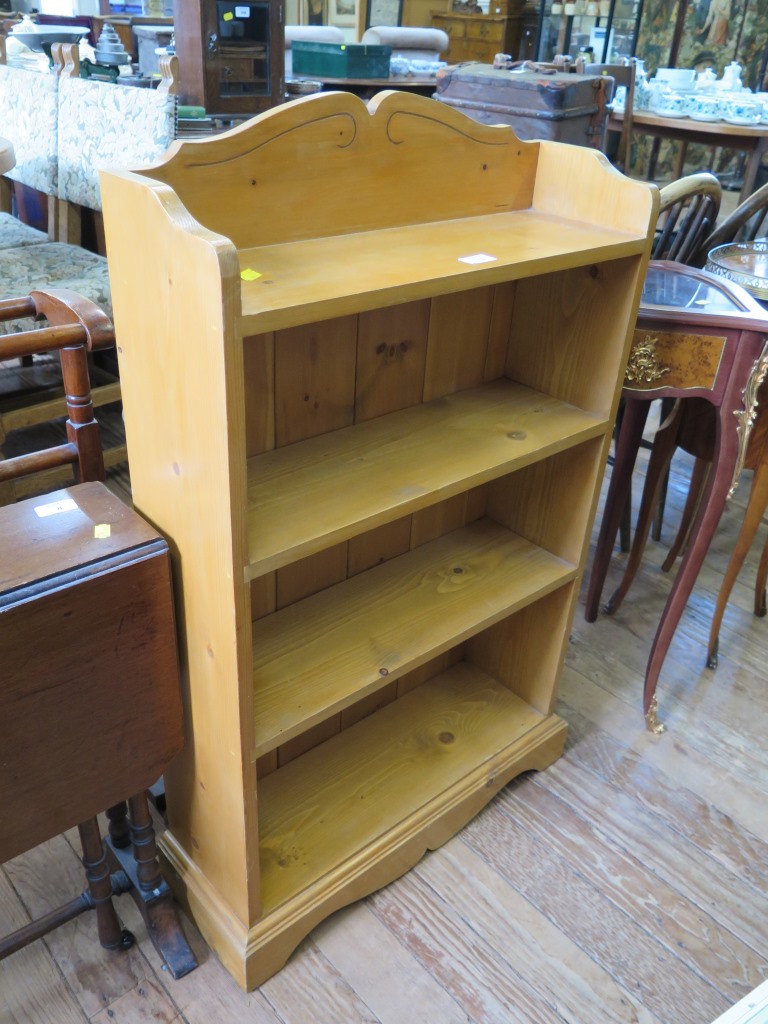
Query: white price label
point(55, 507)
point(242, 12)
point(478, 257)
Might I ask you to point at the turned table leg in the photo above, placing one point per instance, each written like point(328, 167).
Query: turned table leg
point(111, 934)
point(150, 891)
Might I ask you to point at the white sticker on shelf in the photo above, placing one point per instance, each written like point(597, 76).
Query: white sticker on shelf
point(53, 508)
point(478, 257)
point(242, 12)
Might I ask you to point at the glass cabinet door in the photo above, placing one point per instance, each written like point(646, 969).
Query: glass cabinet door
point(606, 27)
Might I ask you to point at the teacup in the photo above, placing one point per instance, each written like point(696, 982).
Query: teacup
point(668, 103)
point(744, 108)
point(705, 106)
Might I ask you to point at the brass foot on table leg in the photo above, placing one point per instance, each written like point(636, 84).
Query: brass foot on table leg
point(652, 722)
point(712, 657)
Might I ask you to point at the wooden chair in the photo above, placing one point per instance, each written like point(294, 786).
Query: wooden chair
point(688, 210)
point(89, 699)
point(746, 223)
point(618, 141)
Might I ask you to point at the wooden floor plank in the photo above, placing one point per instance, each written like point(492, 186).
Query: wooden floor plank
point(693, 936)
point(562, 973)
point(32, 989)
point(691, 872)
point(582, 910)
point(475, 975)
point(310, 988)
point(384, 974)
point(696, 819)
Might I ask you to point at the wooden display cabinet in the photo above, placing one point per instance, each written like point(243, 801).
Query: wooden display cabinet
point(369, 375)
point(509, 27)
point(231, 55)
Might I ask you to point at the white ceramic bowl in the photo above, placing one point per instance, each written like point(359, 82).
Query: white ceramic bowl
point(49, 34)
point(680, 79)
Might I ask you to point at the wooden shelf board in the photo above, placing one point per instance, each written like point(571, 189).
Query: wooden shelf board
point(322, 814)
point(319, 278)
point(304, 497)
point(318, 656)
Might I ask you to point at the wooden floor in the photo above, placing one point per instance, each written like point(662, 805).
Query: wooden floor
point(627, 883)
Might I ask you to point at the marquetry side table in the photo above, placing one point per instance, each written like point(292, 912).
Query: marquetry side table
point(697, 336)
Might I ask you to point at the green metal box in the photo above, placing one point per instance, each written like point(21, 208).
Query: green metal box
point(340, 60)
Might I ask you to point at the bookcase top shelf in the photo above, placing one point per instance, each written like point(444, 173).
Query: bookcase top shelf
point(288, 284)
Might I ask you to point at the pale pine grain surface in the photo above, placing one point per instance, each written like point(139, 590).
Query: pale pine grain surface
point(627, 883)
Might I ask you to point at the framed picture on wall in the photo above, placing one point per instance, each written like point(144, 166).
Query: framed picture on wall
point(342, 13)
point(383, 12)
point(313, 12)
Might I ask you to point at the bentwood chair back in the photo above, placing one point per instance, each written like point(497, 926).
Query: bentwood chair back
point(688, 211)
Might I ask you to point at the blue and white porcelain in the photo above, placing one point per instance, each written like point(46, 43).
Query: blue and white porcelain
point(667, 103)
point(705, 106)
point(742, 108)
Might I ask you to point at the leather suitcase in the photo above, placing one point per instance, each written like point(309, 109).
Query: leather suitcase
point(558, 106)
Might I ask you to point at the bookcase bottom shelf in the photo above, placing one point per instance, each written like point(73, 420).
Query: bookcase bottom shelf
point(361, 809)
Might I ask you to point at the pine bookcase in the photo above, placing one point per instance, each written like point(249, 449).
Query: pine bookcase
point(370, 360)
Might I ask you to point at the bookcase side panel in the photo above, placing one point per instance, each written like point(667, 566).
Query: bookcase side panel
point(571, 330)
point(525, 652)
point(182, 384)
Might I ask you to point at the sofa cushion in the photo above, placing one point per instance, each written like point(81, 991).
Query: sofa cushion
point(52, 265)
point(14, 233)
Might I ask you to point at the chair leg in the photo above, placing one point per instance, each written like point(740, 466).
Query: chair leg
point(111, 934)
point(756, 506)
point(760, 580)
point(664, 445)
point(696, 487)
point(627, 444)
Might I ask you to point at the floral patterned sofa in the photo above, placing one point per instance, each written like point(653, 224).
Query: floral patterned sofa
point(64, 129)
point(28, 113)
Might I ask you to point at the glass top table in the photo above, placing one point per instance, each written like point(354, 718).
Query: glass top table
point(744, 263)
point(698, 336)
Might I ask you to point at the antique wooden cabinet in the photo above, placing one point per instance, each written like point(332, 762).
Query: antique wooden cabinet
point(230, 54)
point(508, 27)
point(369, 374)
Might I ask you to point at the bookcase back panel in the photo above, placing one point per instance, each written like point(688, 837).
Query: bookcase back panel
point(391, 359)
point(306, 381)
